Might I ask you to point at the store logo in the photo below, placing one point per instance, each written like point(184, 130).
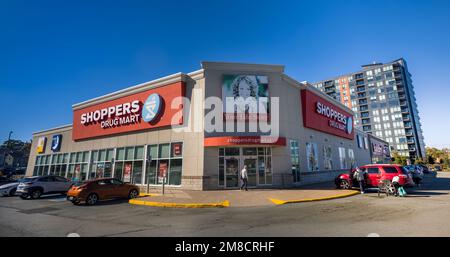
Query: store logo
point(41, 144)
point(56, 143)
point(152, 107)
point(349, 127)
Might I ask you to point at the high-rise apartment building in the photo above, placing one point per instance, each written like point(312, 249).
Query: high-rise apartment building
point(382, 97)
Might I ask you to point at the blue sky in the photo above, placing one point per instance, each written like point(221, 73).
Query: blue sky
point(57, 53)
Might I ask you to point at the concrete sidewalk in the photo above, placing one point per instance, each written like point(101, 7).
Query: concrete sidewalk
point(238, 198)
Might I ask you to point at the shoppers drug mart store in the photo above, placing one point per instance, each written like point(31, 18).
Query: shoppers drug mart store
point(158, 127)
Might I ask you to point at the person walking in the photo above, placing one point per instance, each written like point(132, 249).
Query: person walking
point(360, 177)
point(244, 178)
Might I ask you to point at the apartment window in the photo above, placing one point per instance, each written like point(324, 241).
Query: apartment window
point(312, 156)
point(366, 143)
point(369, 73)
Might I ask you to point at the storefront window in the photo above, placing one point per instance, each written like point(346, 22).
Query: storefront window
point(101, 163)
point(59, 165)
point(164, 158)
point(312, 157)
point(295, 160)
point(257, 159)
point(78, 166)
point(342, 158)
point(128, 164)
point(42, 165)
point(351, 158)
point(327, 158)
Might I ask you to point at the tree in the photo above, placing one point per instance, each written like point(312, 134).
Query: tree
point(398, 159)
point(430, 159)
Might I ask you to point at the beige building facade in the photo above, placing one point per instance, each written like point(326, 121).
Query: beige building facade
point(160, 132)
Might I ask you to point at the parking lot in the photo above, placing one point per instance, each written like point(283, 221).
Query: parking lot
point(423, 212)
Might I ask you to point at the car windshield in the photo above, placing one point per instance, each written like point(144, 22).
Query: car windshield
point(28, 180)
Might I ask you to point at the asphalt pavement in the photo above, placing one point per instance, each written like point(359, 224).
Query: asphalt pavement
point(424, 212)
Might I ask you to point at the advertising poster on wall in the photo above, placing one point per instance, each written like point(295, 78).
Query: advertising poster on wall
point(176, 149)
point(127, 173)
point(243, 87)
point(312, 158)
point(77, 176)
point(41, 144)
point(162, 171)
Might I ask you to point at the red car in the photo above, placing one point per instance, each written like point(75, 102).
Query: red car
point(375, 174)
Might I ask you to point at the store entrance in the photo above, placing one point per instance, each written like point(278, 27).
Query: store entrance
point(231, 172)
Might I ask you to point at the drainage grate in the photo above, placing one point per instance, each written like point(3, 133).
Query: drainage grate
point(38, 210)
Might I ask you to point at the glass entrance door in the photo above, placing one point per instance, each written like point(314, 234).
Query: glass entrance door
point(251, 171)
point(231, 172)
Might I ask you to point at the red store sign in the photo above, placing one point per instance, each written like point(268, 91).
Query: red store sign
point(322, 115)
point(140, 111)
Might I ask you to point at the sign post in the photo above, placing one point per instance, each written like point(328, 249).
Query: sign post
point(163, 165)
point(148, 176)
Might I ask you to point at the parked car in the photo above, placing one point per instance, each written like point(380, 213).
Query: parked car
point(425, 168)
point(36, 186)
point(9, 189)
point(92, 191)
point(5, 180)
point(375, 174)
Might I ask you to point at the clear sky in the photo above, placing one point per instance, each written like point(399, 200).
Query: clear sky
point(57, 53)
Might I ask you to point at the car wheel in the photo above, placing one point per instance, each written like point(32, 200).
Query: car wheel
point(24, 196)
point(12, 192)
point(133, 194)
point(343, 184)
point(92, 199)
point(36, 194)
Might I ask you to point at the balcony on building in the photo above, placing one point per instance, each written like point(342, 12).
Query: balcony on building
point(409, 133)
point(364, 114)
point(411, 141)
point(405, 110)
point(363, 108)
point(412, 149)
point(367, 128)
point(359, 82)
point(359, 76)
point(403, 103)
point(362, 101)
point(330, 89)
point(362, 95)
point(406, 118)
point(408, 125)
point(365, 121)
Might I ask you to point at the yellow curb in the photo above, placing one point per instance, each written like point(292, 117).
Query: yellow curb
point(223, 204)
point(278, 202)
point(145, 194)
